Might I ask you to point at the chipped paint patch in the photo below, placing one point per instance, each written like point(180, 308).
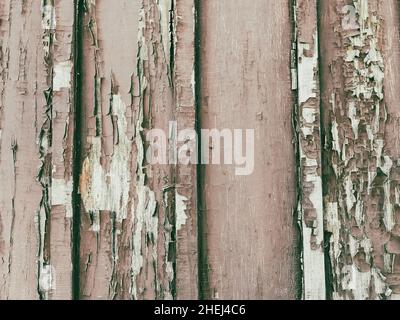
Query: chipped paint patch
point(308, 60)
point(48, 15)
point(103, 190)
point(62, 75)
point(61, 195)
point(180, 209)
point(310, 206)
point(165, 7)
point(144, 220)
point(47, 279)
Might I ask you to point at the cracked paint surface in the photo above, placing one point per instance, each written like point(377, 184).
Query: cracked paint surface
point(309, 144)
point(108, 190)
point(129, 238)
point(362, 178)
point(84, 215)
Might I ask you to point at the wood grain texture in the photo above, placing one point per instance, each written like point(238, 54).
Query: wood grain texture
point(246, 84)
point(308, 118)
point(185, 17)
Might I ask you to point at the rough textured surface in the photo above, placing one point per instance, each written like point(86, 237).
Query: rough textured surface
point(86, 214)
point(106, 178)
point(361, 151)
point(132, 243)
point(310, 206)
point(36, 125)
point(185, 175)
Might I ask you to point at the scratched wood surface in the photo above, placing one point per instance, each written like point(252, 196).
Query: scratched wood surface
point(249, 226)
point(84, 213)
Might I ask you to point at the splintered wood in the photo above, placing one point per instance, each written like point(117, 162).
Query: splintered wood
point(89, 91)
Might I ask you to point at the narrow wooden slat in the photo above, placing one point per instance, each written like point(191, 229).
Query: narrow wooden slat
point(186, 175)
point(309, 140)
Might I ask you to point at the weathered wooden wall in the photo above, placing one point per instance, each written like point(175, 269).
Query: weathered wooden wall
point(84, 215)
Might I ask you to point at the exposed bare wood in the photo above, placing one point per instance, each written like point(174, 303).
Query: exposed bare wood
point(246, 84)
point(186, 175)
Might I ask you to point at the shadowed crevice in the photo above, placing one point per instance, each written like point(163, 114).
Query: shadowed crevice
point(77, 157)
point(298, 241)
point(324, 161)
point(203, 276)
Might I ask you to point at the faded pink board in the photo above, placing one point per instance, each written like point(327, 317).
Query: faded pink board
point(249, 228)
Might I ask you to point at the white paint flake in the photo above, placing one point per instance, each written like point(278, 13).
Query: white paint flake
point(103, 190)
point(61, 195)
point(48, 16)
point(180, 209)
point(62, 75)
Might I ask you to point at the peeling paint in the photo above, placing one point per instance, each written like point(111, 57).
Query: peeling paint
point(48, 15)
point(61, 194)
point(108, 190)
point(180, 205)
point(45, 143)
point(144, 214)
point(165, 7)
point(310, 204)
point(360, 197)
point(47, 280)
point(62, 75)
point(185, 258)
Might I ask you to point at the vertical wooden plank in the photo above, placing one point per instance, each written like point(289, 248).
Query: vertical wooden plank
point(109, 63)
point(36, 150)
point(59, 267)
point(246, 84)
point(19, 151)
point(360, 93)
point(186, 175)
point(139, 219)
point(309, 133)
point(390, 11)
